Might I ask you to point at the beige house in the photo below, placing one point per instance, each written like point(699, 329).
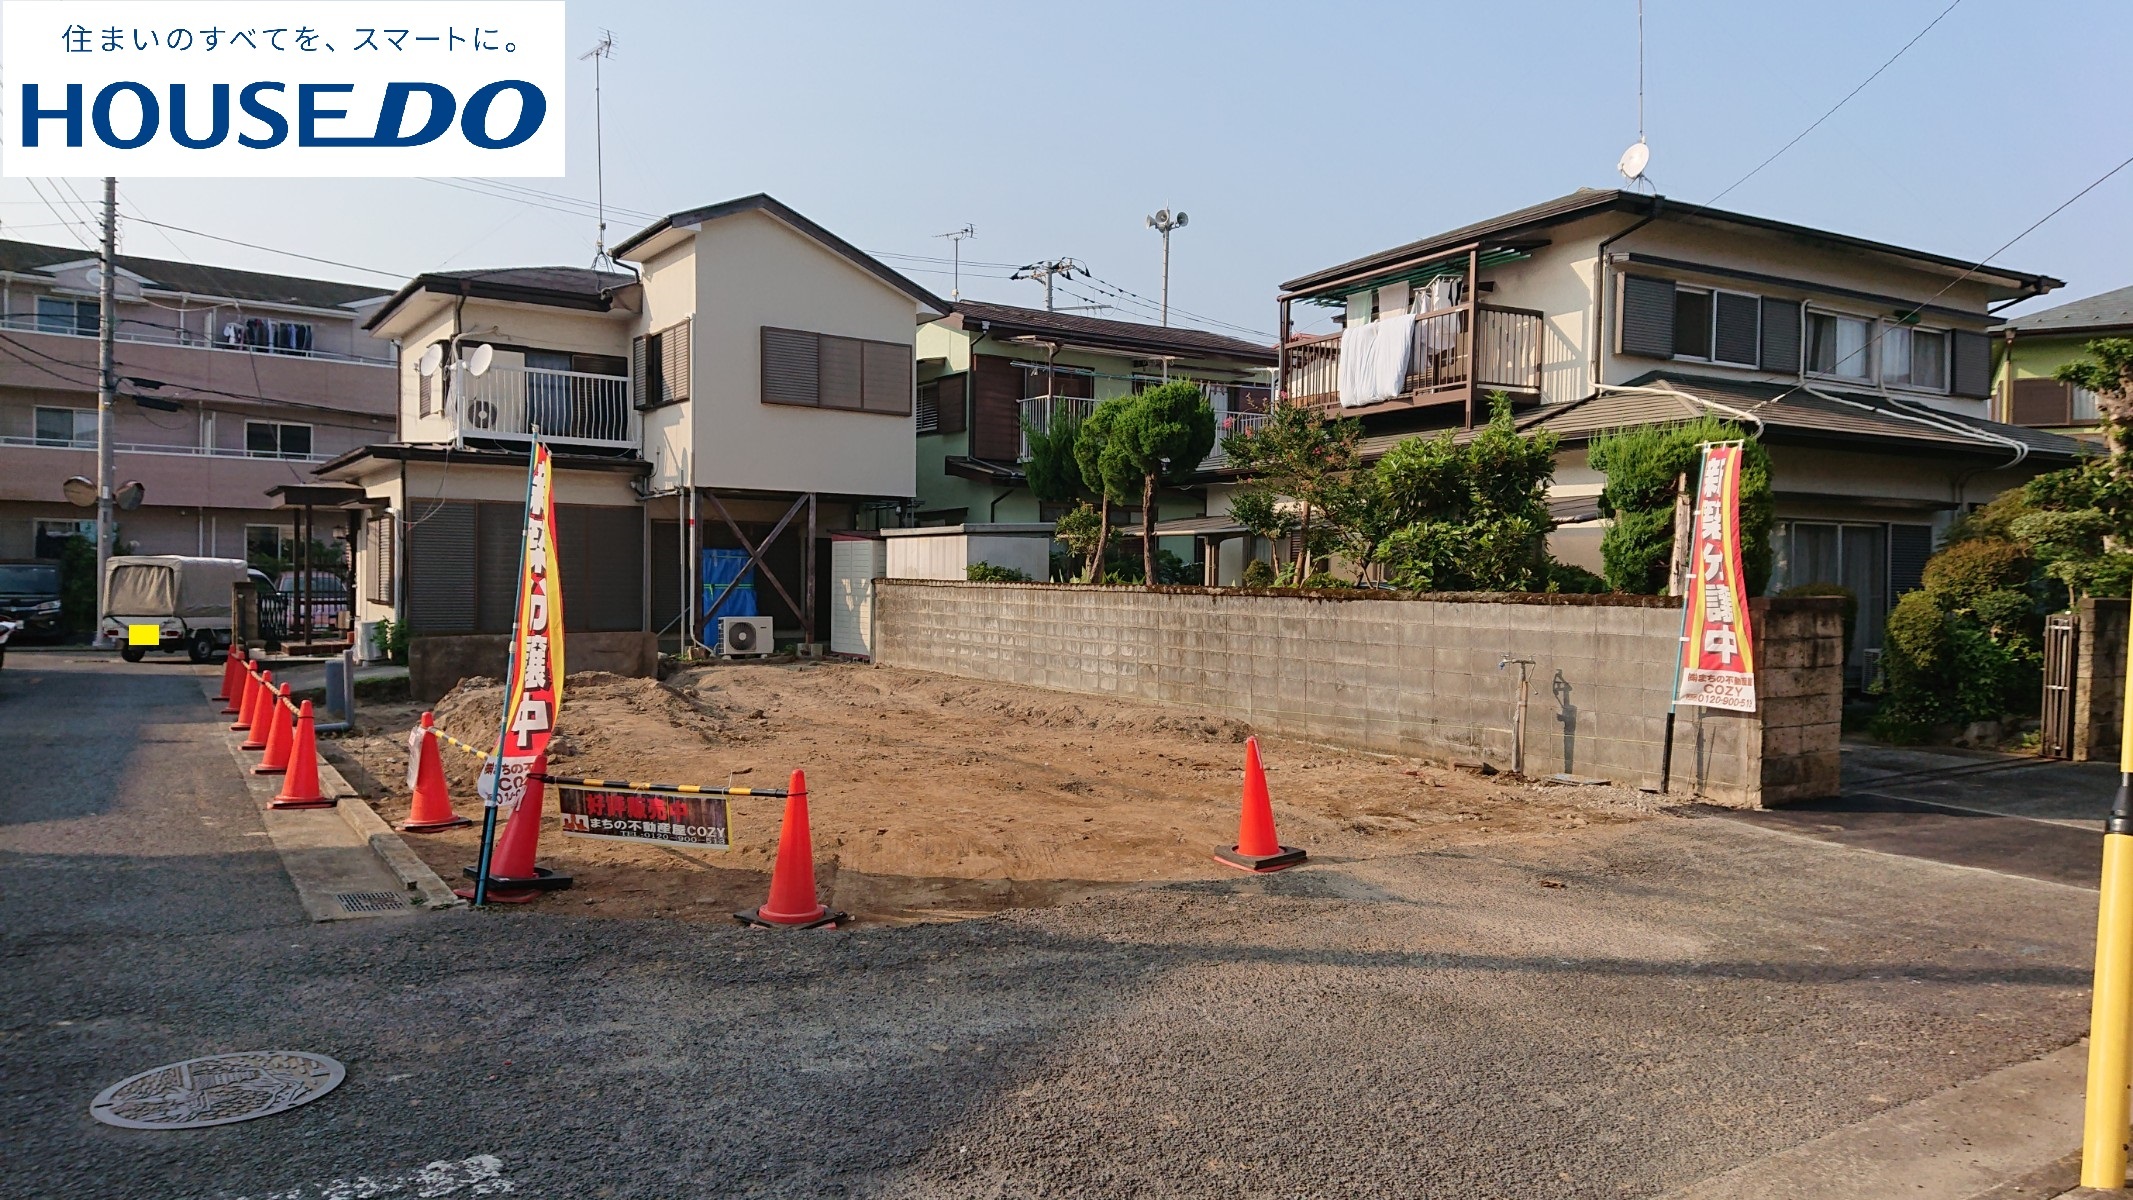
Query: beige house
point(743, 381)
point(1866, 367)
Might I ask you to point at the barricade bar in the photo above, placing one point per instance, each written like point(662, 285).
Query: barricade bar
point(684, 789)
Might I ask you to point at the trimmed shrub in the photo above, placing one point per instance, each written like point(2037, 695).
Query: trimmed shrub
point(1962, 572)
point(1258, 573)
point(985, 572)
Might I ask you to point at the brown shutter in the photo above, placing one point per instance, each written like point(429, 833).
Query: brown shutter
point(640, 367)
point(602, 551)
point(381, 560)
point(674, 363)
point(955, 404)
point(843, 372)
point(440, 568)
point(1973, 364)
point(1646, 322)
point(1738, 324)
point(1781, 336)
point(995, 418)
point(792, 367)
point(2041, 403)
point(885, 368)
point(929, 407)
point(499, 534)
point(424, 393)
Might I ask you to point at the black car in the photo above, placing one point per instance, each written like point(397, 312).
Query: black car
point(29, 593)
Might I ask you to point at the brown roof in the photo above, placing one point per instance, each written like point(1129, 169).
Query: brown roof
point(556, 287)
point(1129, 337)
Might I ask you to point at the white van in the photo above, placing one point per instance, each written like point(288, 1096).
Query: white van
point(180, 603)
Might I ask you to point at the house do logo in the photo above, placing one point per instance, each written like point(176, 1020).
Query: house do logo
point(266, 88)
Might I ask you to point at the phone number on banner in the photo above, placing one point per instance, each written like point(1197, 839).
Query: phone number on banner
point(666, 819)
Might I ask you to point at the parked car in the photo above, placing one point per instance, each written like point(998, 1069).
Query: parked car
point(29, 596)
point(182, 603)
point(326, 598)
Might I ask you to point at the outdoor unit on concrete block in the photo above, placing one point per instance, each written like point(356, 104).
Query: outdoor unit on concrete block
point(744, 637)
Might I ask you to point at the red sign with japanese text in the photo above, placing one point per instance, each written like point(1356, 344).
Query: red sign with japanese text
point(1717, 645)
point(535, 696)
point(620, 814)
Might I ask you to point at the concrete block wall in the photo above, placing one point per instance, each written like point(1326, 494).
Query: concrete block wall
point(2099, 677)
point(1405, 675)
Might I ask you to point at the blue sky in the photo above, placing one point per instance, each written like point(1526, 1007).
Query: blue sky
point(1296, 136)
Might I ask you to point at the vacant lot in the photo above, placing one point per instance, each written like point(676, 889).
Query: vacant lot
point(937, 798)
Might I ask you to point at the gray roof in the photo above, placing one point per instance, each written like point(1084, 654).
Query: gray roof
point(2110, 310)
point(557, 287)
point(1130, 337)
point(222, 283)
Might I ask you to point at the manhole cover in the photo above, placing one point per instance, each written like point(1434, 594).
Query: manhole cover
point(371, 901)
point(217, 1090)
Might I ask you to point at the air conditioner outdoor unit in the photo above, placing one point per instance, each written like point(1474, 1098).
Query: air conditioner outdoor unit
point(744, 636)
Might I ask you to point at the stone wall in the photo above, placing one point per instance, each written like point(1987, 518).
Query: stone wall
point(2099, 678)
point(435, 665)
point(1407, 675)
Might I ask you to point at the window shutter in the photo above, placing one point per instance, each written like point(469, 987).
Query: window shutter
point(603, 567)
point(500, 531)
point(886, 378)
point(792, 367)
point(929, 407)
point(382, 562)
point(2041, 403)
point(674, 363)
point(1738, 319)
point(425, 402)
point(640, 363)
point(955, 404)
point(1973, 364)
point(440, 568)
point(1781, 336)
point(842, 372)
point(1646, 323)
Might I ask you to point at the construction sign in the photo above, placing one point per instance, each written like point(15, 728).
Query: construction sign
point(623, 815)
point(1717, 645)
point(534, 698)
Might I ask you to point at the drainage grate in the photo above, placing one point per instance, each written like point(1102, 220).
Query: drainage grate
point(217, 1090)
point(362, 902)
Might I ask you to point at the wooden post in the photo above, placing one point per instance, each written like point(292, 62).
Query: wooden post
point(1677, 560)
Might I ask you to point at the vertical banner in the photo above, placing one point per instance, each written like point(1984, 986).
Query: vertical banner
point(534, 696)
point(1717, 646)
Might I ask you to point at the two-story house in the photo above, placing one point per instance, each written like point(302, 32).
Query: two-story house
point(742, 382)
point(2032, 347)
point(231, 383)
point(1866, 368)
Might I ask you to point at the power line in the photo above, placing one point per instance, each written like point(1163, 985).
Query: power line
point(214, 237)
point(1839, 104)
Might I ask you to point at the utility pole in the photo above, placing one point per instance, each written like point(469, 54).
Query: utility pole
point(1163, 221)
point(106, 393)
point(955, 237)
point(1046, 270)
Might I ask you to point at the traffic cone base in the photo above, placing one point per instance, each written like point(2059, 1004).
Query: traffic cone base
point(511, 868)
point(515, 889)
point(1259, 864)
point(457, 822)
point(1257, 850)
point(793, 903)
point(757, 918)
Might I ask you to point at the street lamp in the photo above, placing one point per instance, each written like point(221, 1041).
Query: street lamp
point(1163, 222)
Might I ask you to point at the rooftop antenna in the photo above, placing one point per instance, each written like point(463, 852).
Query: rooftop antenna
point(956, 236)
point(1635, 159)
point(605, 49)
point(1046, 270)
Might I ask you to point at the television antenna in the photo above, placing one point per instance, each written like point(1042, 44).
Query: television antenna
point(1639, 156)
point(605, 49)
point(956, 236)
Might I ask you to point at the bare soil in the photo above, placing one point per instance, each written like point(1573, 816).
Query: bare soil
point(938, 798)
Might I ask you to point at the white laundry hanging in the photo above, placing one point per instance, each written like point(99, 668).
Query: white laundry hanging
point(1374, 358)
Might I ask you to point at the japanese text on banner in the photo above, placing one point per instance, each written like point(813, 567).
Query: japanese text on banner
point(1717, 647)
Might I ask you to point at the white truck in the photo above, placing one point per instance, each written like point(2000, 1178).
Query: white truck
point(171, 602)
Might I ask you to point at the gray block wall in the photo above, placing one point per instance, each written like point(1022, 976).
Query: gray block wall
point(2099, 677)
point(1406, 676)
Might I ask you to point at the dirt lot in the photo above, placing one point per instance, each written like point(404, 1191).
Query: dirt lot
point(936, 798)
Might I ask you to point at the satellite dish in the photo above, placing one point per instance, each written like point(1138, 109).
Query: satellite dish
point(1634, 160)
point(479, 362)
point(431, 359)
point(80, 491)
point(128, 496)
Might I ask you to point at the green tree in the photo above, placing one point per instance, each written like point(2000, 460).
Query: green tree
point(1645, 467)
point(2108, 372)
point(1471, 515)
point(1054, 475)
point(1092, 459)
point(1084, 532)
point(1301, 456)
point(1160, 435)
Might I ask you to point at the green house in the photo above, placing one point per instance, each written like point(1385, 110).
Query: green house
point(2030, 348)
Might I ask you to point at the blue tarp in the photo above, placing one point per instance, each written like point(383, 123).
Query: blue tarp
point(720, 568)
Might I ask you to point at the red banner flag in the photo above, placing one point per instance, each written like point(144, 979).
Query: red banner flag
point(1717, 645)
point(534, 698)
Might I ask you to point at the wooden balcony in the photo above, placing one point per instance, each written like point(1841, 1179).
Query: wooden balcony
point(1455, 358)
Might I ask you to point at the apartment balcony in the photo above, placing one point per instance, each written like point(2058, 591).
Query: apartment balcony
point(187, 476)
point(1039, 412)
point(1456, 358)
point(508, 404)
point(47, 360)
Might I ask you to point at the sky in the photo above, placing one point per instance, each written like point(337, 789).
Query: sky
point(1296, 136)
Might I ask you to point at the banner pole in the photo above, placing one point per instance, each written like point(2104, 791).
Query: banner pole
point(1673, 693)
point(2105, 1108)
point(503, 727)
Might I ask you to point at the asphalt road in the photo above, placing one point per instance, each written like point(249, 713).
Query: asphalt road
point(1697, 993)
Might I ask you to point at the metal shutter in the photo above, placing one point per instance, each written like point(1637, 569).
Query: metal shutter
point(425, 402)
point(1781, 336)
point(612, 597)
point(792, 367)
point(955, 405)
point(2041, 403)
point(440, 568)
point(1738, 329)
point(1909, 548)
point(640, 366)
point(674, 363)
point(929, 407)
point(381, 559)
point(666, 575)
point(843, 372)
point(885, 369)
point(499, 534)
point(1647, 319)
point(1973, 364)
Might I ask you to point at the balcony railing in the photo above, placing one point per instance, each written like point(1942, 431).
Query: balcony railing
point(146, 334)
point(46, 443)
point(1041, 413)
point(506, 403)
point(1447, 360)
point(1229, 425)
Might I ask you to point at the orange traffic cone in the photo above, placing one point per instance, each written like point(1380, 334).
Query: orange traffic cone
point(245, 697)
point(513, 879)
point(792, 903)
point(300, 789)
point(263, 700)
point(230, 673)
point(279, 736)
point(1257, 848)
point(432, 809)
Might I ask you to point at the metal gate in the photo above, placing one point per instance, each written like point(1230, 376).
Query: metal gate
point(2060, 639)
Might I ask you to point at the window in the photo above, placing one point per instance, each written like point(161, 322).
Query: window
point(1915, 358)
point(52, 536)
point(1692, 323)
point(272, 439)
point(66, 427)
point(275, 337)
point(660, 366)
point(265, 546)
point(57, 315)
point(1838, 345)
point(820, 370)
